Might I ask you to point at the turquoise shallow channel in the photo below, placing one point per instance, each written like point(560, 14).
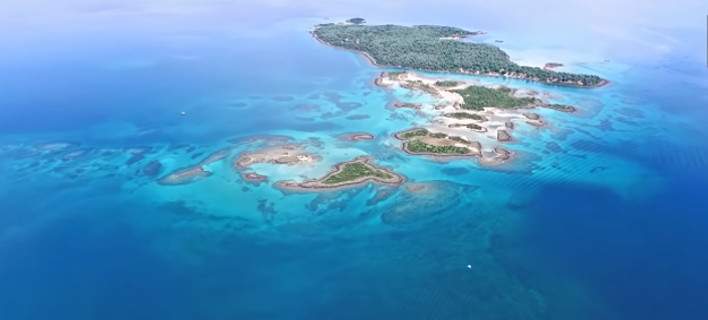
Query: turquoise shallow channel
point(601, 214)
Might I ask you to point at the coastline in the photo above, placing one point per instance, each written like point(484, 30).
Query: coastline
point(366, 55)
point(603, 82)
point(501, 155)
point(317, 185)
point(452, 138)
point(453, 132)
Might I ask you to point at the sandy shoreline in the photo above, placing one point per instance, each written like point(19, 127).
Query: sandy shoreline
point(286, 154)
point(283, 152)
point(366, 55)
point(482, 132)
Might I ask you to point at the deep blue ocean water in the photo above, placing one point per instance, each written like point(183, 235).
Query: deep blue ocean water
point(602, 217)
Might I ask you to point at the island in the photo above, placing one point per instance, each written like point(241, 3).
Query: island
point(468, 118)
point(275, 151)
point(184, 176)
point(287, 154)
point(357, 172)
point(357, 136)
point(440, 146)
point(254, 178)
point(439, 48)
point(194, 172)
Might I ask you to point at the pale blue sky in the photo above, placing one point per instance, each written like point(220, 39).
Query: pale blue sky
point(604, 27)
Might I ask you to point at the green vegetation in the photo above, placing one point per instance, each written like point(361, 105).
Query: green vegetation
point(464, 115)
point(355, 170)
point(478, 98)
point(473, 126)
point(459, 139)
point(417, 146)
point(446, 83)
point(434, 48)
point(417, 84)
point(414, 133)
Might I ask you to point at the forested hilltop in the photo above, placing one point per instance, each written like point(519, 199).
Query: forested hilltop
point(438, 48)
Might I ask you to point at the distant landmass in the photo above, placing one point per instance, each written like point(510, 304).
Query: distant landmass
point(438, 48)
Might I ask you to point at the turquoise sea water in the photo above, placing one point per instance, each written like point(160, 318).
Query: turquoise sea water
point(603, 216)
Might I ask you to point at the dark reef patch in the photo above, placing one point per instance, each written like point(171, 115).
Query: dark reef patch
point(457, 171)
point(423, 200)
point(553, 147)
point(358, 117)
point(283, 98)
point(267, 209)
point(153, 168)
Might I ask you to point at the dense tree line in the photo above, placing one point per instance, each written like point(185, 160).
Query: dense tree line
point(437, 48)
point(478, 98)
point(414, 133)
point(353, 171)
point(417, 146)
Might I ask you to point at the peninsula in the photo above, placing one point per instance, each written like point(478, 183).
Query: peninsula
point(439, 48)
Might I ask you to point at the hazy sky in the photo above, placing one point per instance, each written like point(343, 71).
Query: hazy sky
point(650, 26)
point(648, 12)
